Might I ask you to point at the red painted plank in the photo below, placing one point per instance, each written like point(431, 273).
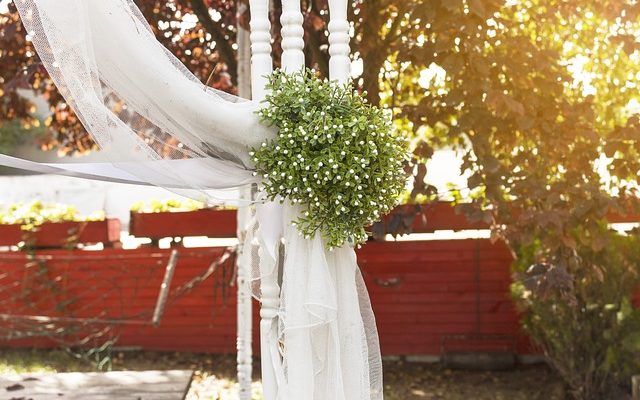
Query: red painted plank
point(61, 234)
point(206, 222)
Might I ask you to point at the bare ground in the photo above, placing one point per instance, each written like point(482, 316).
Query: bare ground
point(215, 377)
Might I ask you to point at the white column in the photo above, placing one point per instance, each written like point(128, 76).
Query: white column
point(261, 66)
point(339, 62)
point(292, 36)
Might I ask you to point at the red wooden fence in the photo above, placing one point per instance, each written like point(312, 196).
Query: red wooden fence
point(422, 292)
point(426, 294)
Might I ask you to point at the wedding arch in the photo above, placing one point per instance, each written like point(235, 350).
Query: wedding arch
point(318, 337)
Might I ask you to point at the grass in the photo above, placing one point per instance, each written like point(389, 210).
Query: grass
point(215, 376)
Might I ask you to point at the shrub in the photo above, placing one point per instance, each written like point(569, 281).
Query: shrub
point(578, 308)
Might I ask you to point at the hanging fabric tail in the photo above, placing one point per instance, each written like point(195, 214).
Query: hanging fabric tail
point(327, 325)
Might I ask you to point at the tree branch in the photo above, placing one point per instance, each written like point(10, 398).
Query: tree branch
point(223, 47)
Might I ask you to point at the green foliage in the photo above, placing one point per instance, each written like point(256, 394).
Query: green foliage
point(579, 309)
point(13, 134)
point(36, 213)
point(169, 205)
point(337, 156)
point(538, 98)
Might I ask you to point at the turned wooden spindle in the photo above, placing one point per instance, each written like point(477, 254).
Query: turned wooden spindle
point(292, 36)
point(261, 60)
point(339, 62)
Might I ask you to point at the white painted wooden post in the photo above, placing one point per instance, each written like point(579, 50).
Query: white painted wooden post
point(244, 357)
point(339, 63)
point(292, 36)
point(261, 66)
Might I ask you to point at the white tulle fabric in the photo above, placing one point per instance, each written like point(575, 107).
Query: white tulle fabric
point(140, 104)
point(325, 345)
point(158, 124)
